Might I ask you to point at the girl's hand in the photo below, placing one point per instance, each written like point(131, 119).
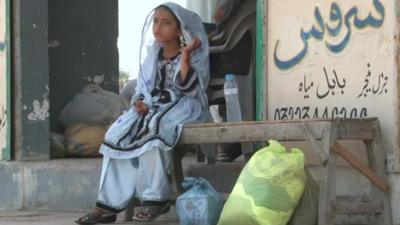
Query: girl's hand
point(185, 58)
point(141, 108)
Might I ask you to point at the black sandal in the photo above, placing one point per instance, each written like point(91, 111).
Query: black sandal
point(93, 218)
point(150, 211)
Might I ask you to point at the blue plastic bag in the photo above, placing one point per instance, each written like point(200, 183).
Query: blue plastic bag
point(201, 204)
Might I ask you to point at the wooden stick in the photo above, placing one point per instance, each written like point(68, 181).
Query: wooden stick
point(360, 166)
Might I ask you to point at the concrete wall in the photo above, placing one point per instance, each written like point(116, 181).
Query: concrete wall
point(49, 185)
point(59, 48)
point(82, 49)
point(336, 59)
point(31, 90)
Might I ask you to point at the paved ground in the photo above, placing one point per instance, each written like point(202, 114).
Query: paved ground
point(67, 218)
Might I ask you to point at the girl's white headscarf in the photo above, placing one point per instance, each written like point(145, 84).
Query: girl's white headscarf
point(191, 26)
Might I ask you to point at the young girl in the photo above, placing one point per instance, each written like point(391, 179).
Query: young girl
point(171, 91)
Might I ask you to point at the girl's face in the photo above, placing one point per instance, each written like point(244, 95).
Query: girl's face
point(165, 27)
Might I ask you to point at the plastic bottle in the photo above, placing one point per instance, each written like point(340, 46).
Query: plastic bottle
point(231, 92)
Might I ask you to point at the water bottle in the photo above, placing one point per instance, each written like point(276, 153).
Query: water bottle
point(231, 93)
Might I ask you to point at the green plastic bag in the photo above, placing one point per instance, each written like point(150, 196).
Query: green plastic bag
point(268, 188)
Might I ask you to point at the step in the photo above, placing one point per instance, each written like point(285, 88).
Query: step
point(72, 184)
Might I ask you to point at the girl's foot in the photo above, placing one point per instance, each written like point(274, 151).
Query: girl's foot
point(150, 211)
point(97, 216)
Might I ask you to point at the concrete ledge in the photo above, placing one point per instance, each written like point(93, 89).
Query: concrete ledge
point(11, 180)
point(72, 184)
point(67, 184)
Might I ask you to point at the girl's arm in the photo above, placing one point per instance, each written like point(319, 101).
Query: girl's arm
point(187, 78)
point(142, 90)
point(185, 58)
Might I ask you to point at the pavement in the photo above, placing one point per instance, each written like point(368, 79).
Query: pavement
point(68, 218)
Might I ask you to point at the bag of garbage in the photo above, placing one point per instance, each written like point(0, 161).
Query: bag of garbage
point(268, 188)
point(201, 204)
point(93, 106)
point(82, 140)
point(306, 212)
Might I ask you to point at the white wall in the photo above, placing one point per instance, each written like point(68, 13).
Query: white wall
point(360, 80)
point(356, 81)
point(3, 83)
